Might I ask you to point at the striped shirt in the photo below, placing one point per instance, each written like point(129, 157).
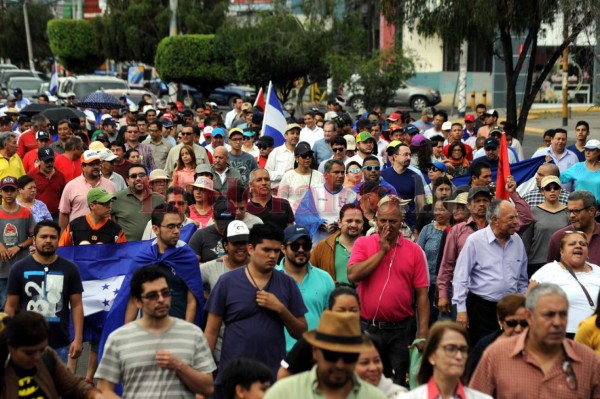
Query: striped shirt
point(130, 358)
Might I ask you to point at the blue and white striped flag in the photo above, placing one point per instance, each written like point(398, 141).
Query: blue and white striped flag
point(274, 122)
point(53, 80)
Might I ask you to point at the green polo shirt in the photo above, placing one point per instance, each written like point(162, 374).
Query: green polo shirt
point(305, 386)
point(341, 258)
point(132, 214)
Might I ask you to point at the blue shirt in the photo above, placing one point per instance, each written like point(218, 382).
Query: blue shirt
point(488, 270)
point(250, 330)
point(580, 154)
point(322, 150)
point(315, 289)
point(582, 179)
point(408, 185)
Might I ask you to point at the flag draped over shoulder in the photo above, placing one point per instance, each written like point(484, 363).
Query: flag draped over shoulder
point(503, 170)
point(274, 122)
point(307, 214)
point(521, 171)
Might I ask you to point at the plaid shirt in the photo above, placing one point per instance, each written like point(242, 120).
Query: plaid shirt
point(536, 197)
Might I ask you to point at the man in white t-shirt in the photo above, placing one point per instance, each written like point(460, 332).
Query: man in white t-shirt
point(234, 113)
point(311, 132)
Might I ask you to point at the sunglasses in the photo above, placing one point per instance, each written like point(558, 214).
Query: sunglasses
point(295, 246)
point(333, 357)
point(154, 295)
point(247, 138)
point(513, 323)
point(372, 168)
point(338, 149)
point(186, 133)
point(136, 175)
point(305, 156)
point(262, 147)
point(176, 203)
point(552, 187)
point(354, 170)
point(434, 169)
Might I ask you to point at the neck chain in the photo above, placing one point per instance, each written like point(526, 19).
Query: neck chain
point(252, 278)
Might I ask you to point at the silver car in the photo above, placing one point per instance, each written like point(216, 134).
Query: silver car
point(416, 97)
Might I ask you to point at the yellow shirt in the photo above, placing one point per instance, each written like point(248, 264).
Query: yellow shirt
point(12, 166)
point(588, 334)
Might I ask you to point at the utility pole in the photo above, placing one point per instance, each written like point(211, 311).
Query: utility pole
point(28, 36)
point(565, 74)
point(462, 79)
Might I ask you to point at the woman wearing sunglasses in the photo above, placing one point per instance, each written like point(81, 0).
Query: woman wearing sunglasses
point(354, 175)
point(578, 278)
point(457, 157)
point(296, 182)
point(444, 365)
point(550, 216)
point(511, 317)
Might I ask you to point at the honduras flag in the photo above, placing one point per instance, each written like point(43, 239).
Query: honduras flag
point(521, 171)
point(274, 122)
point(53, 88)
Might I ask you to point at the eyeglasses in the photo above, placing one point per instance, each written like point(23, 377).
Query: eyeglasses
point(305, 156)
point(514, 323)
point(134, 176)
point(552, 187)
point(338, 149)
point(176, 203)
point(154, 295)
point(571, 379)
point(354, 170)
point(295, 246)
point(451, 349)
point(434, 169)
point(371, 168)
point(576, 211)
point(332, 357)
point(186, 133)
point(172, 226)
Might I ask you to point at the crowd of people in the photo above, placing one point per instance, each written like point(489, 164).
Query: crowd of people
point(305, 270)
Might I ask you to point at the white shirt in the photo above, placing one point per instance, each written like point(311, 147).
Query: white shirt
point(579, 307)
point(310, 136)
point(280, 161)
point(209, 148)
point(255, 152)
point(329, 204)
point(230, 117)
point(293, 186)
point(429, 133)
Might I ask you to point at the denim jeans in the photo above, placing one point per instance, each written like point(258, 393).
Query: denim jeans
point(394, 344)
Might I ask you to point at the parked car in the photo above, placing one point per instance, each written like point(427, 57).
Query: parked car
point(417, 97)
point(84, 84)
point(7, 66)
point(28, 84)
point(6, 74)
point(222, 95)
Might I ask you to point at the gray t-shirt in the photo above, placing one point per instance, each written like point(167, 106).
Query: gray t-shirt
point(15, 228)
point(130, 358)
point(538, 234)
point(244, 163)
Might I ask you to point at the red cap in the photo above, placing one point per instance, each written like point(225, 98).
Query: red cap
point(395, 117)
point(469, 118)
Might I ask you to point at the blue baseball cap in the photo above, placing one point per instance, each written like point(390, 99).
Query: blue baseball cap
point(440, 165)
point(218, 132)
point(294, 232)
point(411, 129)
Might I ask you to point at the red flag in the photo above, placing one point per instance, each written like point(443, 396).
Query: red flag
point(260, 99)
point(503, 170)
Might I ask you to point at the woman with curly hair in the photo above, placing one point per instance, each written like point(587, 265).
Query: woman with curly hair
point(457, 158)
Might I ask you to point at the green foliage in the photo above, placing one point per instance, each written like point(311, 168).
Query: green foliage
point(201, 16)
point(13, 43)
point(381, 75)
point(193, 60)
point(74, 44)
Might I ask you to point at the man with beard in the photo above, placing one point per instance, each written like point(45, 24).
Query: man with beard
point(133, 206)
point(73, 202)
point(336, 345)
point(408, 184)
point(256, 303)
point(371, 170)
point(332, 254)
point(315, 284)
point(50, 285)
point(157, 355)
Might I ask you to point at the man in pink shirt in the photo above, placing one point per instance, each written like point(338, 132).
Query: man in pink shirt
point(390, 270)
point(73, 202)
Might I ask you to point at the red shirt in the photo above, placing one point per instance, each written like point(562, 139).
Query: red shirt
point(387, 296)
point(27, 143)
point(70, 169)
point(49, 190)
point(29, 160)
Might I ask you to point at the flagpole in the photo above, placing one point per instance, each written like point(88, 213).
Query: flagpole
point(265, 110)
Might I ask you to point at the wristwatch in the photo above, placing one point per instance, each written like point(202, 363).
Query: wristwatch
point(20, 246)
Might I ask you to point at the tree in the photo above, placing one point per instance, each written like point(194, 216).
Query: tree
point(499, 21)
point(193, 60)
point(13, 44)
point(74, 44)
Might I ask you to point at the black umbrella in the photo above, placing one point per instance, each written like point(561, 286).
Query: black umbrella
point(57, 113)
point(100, 100)
point(34, 109)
